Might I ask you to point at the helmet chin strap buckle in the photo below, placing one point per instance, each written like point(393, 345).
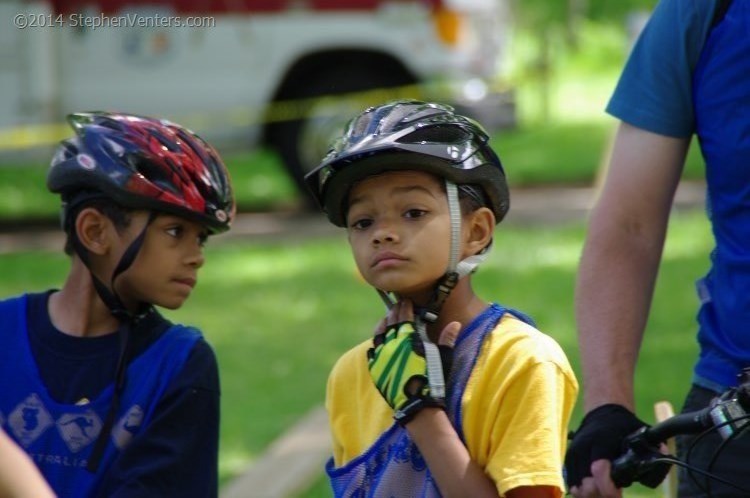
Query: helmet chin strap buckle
point(428, 316)
point(430, 312)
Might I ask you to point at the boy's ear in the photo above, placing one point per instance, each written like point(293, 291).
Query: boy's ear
point(480, 228)
point(94, 230)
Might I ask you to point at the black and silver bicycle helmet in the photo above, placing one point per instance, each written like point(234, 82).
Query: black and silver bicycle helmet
point(429, 137)
point(409, 134)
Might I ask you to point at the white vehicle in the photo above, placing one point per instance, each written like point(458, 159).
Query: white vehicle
point(249, 72)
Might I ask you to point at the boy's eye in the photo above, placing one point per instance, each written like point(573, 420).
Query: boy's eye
point(361, 224)
point(415, 213)
point(202, 239)
point(178, 231)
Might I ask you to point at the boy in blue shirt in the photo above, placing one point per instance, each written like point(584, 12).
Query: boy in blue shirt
point(107, 396)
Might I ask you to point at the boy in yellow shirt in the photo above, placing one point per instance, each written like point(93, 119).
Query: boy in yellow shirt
point(453, 396)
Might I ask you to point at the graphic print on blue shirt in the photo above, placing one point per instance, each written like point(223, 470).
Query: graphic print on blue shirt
point(59, 436)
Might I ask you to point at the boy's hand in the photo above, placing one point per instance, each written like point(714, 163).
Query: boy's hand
point(398, 365)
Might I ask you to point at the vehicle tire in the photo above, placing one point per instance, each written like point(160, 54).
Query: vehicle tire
point(321, 108)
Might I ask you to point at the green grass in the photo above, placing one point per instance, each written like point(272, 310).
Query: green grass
point(278, 315)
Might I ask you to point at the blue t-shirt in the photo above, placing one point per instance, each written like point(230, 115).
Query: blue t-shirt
point(655, 89)
point(687, 75)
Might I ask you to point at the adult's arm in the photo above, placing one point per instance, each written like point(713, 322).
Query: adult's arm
point(620, 260)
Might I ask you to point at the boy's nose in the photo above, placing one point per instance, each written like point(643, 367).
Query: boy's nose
point(196, 258)
point(384, 233)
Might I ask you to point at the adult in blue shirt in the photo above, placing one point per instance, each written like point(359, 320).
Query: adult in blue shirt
point(687, 75)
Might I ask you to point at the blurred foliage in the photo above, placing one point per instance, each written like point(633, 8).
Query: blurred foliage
point(556, 47)
point(560, 14)
point(612, 11)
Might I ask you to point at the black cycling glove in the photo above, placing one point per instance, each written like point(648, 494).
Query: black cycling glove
point(600, 436)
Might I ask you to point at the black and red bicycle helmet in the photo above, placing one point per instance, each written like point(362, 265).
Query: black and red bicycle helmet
point(143, 163)
point(409, 134)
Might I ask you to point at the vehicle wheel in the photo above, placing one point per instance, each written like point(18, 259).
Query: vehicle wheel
point(326, 103)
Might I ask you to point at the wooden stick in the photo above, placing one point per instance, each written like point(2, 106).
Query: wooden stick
point(662, 411)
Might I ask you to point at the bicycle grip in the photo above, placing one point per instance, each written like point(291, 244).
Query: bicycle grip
point(624, 471)
point(684, 423)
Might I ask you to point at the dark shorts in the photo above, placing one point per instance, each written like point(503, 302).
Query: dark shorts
point(732, 462)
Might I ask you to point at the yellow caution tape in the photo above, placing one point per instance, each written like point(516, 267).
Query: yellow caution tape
point(31, 136)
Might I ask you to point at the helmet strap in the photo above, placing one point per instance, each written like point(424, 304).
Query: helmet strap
point(435, 375)
point(109, 295)
point(447, 283)
point(469, 265)
point(454, 209)
point(388, 299)
point(456, 269)
point(129, 256)
point(122, 360)
point(128, 319)
point(430, 313)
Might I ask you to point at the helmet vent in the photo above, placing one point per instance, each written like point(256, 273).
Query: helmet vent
point(392, 117)
point(424, 114)
point(166, 142)
point(437, 134)
point(153, 172)
point(110, 123)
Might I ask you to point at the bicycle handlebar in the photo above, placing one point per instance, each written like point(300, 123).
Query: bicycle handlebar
point(684, 423)
point(642, 460)
point(639, 463)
